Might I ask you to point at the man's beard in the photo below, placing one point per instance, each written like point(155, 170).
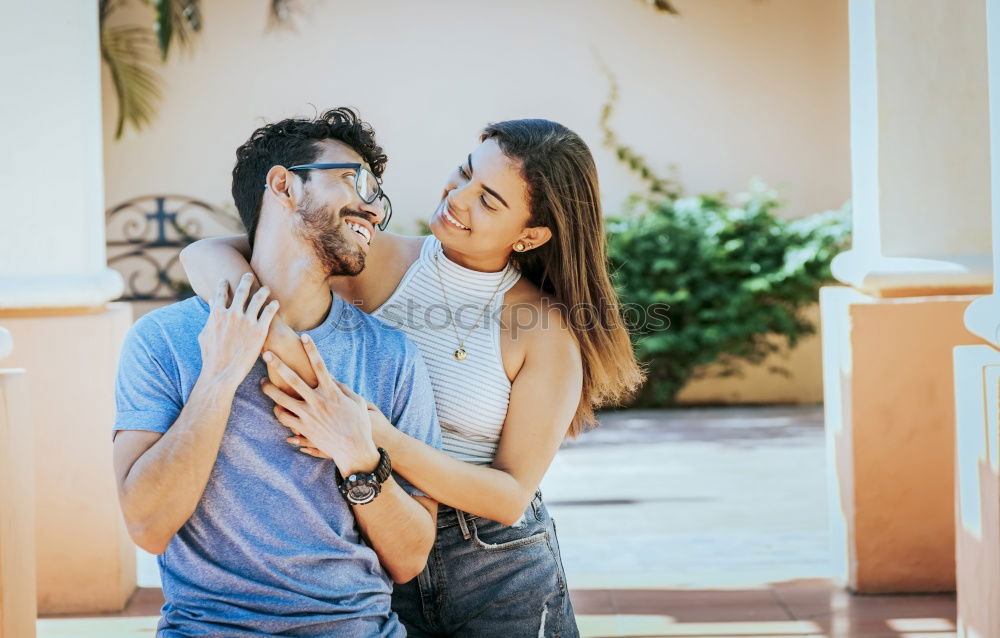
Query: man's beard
point(324, 230)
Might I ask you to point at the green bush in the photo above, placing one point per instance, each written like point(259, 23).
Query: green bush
point(729, 275)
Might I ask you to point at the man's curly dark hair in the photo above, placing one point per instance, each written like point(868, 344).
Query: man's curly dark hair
point(295, 141)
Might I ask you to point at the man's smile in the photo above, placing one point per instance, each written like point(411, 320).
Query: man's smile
point(362, 227)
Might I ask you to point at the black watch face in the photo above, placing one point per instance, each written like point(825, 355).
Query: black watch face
point(361, 494)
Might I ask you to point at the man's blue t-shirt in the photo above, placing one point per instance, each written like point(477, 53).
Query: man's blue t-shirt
point(272, 547)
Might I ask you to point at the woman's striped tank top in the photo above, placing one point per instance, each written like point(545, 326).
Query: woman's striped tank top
point(471, 394)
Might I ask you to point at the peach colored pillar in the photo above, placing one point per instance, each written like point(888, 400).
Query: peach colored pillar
point(977, 408)
point(921, 249)
point(890, 424)
point(86, 561)
point(54, 291)
point(17, 504)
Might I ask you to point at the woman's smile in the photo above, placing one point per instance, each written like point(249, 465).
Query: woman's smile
point(451, 219)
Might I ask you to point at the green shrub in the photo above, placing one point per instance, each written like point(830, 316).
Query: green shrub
point(730, 275)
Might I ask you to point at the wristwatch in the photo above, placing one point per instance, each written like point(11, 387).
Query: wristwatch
point(363, 487)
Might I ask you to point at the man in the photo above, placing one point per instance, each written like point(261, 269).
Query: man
point(254, 537)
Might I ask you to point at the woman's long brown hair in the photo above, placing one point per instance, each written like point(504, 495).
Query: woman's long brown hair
point(572, 267)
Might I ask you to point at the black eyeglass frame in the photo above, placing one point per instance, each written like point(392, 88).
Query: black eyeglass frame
point(358, 168)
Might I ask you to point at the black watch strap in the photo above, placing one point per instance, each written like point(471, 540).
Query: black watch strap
point(381, 473)
point(384, 468)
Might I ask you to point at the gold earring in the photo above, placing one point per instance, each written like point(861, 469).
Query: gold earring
point(519, 246)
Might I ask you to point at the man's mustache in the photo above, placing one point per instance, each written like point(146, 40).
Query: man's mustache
point(350, 212)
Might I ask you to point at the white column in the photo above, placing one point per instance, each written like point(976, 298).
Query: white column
point(982, 318)
point(52, 251)
point(54, 292)
point(918, 153)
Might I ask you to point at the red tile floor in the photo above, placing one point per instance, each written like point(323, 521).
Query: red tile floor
point(796, 608)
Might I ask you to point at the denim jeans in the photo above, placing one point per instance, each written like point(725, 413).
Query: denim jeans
point(487, 580)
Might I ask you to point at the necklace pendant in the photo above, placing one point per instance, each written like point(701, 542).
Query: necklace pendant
point(460, 354)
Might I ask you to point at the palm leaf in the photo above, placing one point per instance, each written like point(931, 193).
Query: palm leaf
point(106, 7)
point(130, 53)
point(663, 6)
point(164, 25)
point(175, 20)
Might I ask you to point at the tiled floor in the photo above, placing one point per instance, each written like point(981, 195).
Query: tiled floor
point(796, 608)
point(708, 523)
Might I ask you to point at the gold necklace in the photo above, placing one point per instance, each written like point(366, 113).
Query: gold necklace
point(460, 353)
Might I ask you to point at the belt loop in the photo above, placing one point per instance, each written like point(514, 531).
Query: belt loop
point(462, 524)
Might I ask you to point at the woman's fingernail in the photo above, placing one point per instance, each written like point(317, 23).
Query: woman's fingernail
point(268, 356)
point(306, 339)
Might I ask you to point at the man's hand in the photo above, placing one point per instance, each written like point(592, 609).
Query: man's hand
point(332, 417)
point(234, 334)
point(161, 477)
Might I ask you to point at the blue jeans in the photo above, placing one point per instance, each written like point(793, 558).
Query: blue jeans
point(487, 580)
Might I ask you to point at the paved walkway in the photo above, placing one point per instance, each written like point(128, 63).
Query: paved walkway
point(697, 522)
point(713, 522)
point(693, 498)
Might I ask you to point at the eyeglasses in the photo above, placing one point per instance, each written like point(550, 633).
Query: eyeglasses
point(368, 186)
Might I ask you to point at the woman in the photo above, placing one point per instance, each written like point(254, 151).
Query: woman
point(512, 308)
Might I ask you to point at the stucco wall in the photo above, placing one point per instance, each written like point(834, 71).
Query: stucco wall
point(729, 90)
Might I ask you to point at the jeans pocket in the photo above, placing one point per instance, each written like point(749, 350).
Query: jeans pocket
point(555, 540)
point(492, 536)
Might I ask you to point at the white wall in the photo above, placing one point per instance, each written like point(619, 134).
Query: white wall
point(51, 222)
point(729, 90)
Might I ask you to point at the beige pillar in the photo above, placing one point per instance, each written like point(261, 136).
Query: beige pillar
point(54, 291)
point(977, 407)
point(920, 252)
point(17, 504)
